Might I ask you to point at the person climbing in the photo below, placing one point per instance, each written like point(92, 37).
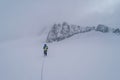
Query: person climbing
point(45, 48)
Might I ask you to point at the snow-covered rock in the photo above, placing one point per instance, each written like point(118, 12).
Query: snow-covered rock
point(62, 31)
point(116, 31)
point(102, 28)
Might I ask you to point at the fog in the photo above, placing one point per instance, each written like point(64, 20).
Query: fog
point(21, 18)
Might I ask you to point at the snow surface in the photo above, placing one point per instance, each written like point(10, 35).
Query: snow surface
point(88, 56)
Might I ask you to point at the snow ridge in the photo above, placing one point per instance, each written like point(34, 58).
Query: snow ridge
point(62, 31)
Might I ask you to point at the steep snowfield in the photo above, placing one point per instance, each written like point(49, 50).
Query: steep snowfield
point(87, 56)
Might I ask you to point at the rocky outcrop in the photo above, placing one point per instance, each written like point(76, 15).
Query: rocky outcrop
point(116, 31)
point(62, 31)
point(102, 28)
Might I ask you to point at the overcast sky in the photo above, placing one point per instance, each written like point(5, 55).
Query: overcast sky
point(26, 17)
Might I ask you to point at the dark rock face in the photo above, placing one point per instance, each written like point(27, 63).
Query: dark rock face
point(117, 31)
point(59, 32)
point(62, 31)
point(102, 28)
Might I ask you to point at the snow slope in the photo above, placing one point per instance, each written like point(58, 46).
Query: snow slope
point(88, 56)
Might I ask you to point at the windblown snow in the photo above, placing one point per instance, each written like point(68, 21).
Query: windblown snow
point(88, 56)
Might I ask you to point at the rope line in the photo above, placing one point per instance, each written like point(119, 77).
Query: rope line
point(42, 68)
